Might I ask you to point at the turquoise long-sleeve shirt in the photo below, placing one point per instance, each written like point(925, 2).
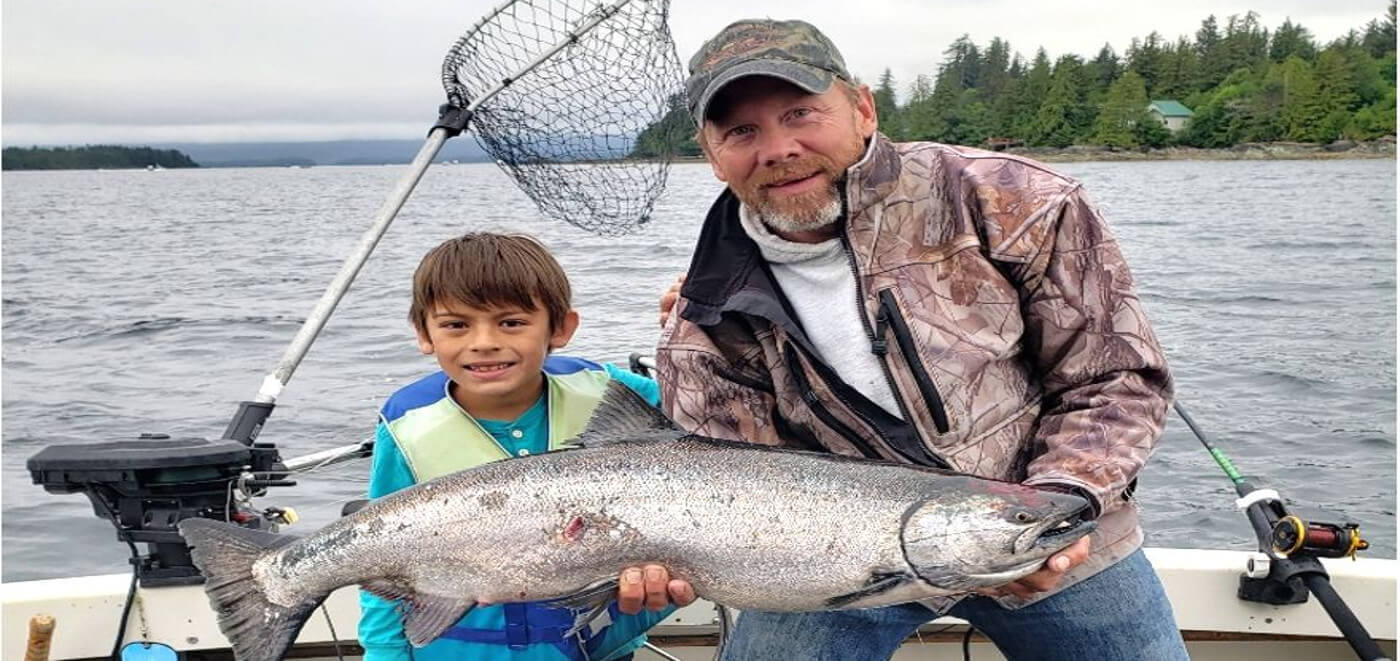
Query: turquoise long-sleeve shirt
point(381, 627)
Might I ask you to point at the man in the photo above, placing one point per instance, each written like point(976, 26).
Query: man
point(921, 303)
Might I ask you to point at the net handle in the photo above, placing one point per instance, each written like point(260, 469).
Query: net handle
point(248, 421)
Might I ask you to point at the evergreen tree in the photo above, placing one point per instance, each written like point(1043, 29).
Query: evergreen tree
point(993, 72)
point(1103, 69)
point(1379, 37)
point(1303, 108)
point(1291, 40)
point(886, 109)
point(1122, 111)
point(1180, 71)
point(1336, 95)
point(917, 114)
point(674, 135)
point(1373, 121)
point(1214, 68)
point(1245, 44)
point(1064, 117)
point(1148, 60)
point(1030, 95)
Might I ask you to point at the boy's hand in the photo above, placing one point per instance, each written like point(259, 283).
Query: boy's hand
point(668, 300)
point(653, 587)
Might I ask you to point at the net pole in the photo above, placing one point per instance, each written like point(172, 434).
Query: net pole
point(296, 351)
point(273, 383)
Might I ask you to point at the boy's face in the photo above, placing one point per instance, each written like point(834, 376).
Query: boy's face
point(494, 354)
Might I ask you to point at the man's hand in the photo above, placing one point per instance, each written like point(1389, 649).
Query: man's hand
point(1047, 577)
point(668, 300)
point(653, 587)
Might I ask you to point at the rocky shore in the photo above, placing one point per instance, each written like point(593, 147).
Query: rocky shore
point(1249, 151)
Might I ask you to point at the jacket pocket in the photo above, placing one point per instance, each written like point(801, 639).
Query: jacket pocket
point(814, 403)
point(891, 319)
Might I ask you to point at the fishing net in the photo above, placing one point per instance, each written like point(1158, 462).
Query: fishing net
point(589, 130)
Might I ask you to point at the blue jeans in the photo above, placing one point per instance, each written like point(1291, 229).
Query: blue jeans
point(1119, 613)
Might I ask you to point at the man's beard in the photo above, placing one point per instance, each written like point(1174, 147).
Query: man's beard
point(807, 212)
point(804, 219)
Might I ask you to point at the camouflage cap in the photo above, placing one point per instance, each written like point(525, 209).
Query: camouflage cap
point(794, 51)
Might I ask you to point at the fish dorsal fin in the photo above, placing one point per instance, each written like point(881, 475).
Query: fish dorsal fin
point(425, 616)
point(623, 415)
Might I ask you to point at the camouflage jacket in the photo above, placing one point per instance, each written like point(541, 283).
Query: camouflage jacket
point(1003, 310)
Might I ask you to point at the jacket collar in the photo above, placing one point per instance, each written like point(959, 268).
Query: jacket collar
point(872, 178)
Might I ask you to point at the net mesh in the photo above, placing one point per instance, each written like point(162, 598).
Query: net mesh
point(582, 133)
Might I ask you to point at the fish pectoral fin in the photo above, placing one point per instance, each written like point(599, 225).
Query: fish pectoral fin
point(595, 597)
point(879, 583)
point(425, 616)
point(624, 415)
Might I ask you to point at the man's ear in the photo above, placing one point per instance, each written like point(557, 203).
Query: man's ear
point(866, 120)
point(425, 345)
point(565, 332)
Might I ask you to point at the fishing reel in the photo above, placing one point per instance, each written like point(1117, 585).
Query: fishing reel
point(1289, 549)
point(146, 486)
point(1292, 536)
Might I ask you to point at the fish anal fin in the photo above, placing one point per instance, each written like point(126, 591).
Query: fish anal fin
point(879, 583)
point(425, 616)
point(623, 415)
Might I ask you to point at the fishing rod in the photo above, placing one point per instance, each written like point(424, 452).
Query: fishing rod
point(1287, 566)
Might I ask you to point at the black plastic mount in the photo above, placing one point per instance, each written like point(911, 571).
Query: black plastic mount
point(247, 423)
point(1284, 584)
point(148, 485)
point(453, 118)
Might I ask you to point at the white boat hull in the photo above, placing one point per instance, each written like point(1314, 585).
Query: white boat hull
point(1201, 585)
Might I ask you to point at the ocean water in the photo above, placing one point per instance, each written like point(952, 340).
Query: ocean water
point(141, 301)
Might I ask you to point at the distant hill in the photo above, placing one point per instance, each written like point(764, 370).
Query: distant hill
point(91, 157)
point(334, 152)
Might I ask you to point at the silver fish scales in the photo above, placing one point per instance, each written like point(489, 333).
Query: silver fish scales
point(750, 527)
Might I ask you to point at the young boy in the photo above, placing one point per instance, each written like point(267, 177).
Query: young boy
point(491, 308)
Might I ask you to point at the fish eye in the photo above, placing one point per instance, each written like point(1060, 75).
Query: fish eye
point(1022, 516)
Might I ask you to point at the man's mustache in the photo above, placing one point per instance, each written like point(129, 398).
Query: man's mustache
point(793, 171)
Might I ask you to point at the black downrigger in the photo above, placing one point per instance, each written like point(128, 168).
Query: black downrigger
point(147, 485)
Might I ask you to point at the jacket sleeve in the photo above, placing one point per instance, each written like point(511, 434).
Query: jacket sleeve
point(721, 394)
point(1105, 379)
point(644, 386)
point(381, 628)
point(625, 633)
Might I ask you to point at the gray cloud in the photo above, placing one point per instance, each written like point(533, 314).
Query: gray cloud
point(86, 71)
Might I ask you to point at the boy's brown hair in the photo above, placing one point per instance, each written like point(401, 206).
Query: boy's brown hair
point(482, 269)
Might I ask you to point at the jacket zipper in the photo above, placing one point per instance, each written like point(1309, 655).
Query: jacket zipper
point(814, 403)
point(877, 340)
point(889, 315)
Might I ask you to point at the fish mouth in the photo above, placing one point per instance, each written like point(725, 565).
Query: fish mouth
point(1054, 535)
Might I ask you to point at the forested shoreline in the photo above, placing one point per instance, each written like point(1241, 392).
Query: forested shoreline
point(91, 157)
point(1242, 82)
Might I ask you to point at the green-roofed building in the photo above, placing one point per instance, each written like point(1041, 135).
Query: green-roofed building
point(1170, 113)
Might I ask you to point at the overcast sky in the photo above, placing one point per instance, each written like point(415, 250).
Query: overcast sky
point(140, 71)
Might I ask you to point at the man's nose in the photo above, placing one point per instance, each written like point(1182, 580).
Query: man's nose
point(778, 145)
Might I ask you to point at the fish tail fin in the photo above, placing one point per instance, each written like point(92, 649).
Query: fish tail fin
point(257, 628)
